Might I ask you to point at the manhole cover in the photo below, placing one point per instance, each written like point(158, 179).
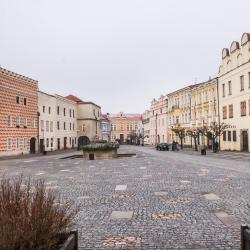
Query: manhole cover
point(121, 241)
point(166, 216)
point(176, 202)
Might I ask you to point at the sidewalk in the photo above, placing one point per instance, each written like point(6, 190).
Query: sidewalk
point(37, 155)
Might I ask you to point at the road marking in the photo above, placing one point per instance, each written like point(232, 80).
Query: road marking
point(29, 161)
point(212, 197)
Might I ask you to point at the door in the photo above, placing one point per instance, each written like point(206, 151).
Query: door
point(32, 145)
point(245, 141)
point(121, 138)
point(58, 144)
point(41, 145)
point(65, 143)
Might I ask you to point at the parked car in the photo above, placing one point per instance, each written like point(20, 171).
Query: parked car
point(162, 147)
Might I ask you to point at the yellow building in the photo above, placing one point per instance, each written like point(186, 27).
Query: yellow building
point(204, 107)
point(179, 113)
point(123, 125)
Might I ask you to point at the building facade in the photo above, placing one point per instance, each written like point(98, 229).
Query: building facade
point(204, 107)
point(58, 118)
point(88, 121)
point(158, 121)
point(146, 127)
point(234, 95)
point(105, 127)
point(179, 113)
point(123, 125)
point(18, 116)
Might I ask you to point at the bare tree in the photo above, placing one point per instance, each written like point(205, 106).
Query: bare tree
point(214, 131)
point(194, 133)
point(180, 132)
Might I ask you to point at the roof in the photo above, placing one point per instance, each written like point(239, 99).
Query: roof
point(79, 101)
point(129, 116)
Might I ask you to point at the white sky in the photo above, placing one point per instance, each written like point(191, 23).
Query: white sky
point(118, 53)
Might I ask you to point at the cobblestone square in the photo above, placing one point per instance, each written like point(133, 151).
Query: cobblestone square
point(155, 200)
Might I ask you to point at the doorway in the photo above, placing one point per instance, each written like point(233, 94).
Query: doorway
point(65, 142)
point(245, 141)
point(121, 138)
point(41, 145)
point(32, 145)
point(58, 144)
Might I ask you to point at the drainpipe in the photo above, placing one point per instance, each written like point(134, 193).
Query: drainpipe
point(218, 105)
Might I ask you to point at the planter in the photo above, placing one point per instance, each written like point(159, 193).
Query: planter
point(71, 242)
point(100, 154)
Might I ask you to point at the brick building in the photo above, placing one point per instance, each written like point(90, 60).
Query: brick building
point(18, 114)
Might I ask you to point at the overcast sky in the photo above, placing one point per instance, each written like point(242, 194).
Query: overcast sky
point(119, 54)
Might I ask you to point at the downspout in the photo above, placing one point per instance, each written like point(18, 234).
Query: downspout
point(218, 106)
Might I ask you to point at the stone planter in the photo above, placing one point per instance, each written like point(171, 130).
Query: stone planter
point(100, 154)
point(71, 243)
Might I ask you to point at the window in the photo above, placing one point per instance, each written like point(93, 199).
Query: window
point(42, 125)
point(224, 112)
point(70, 140)
point(47, 142)
point(249, 106)
point(223, 90)
point(25, 122)
point(130, 127)
point(49, 110)
point(231, 111)
point(83, 128)
point(229, 135)
point(127, 127)
point(43, 109)
point(47, 126)
point(9, 144)
point(234, 135)
point(224, 135)
point(51, 142)
point(241, 83)
point(121, 127)
point(70, 125)
point(9, 121)
point(34, 123)
point(70, 113)
point(51, 126)
point(17, 100)
point(64, 125)
point(17, 143)
point(58, 110)
point(136, 126)
point(229, 88)
point(73, 126)
point(243, 108)
point(58, 125)
point(18, 122)
point(64, 111)
point(73, 113)
point(25, 101)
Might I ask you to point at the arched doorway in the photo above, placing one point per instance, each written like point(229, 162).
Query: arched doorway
point(83, 140)
point(32, 145)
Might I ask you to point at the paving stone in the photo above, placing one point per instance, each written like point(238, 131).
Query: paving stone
point(116, 215)
point(226, 219)
point(211, 197)
point(160, 193)
point(120, 187)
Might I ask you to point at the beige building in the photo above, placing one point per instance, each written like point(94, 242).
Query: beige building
point(88, 121)
point(146, 126)
point(158, 120)
point(234, 95)
point(204, 107)
point(179, 113)
point(123, 125)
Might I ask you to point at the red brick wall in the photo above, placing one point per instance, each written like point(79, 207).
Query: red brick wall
point(11, 86)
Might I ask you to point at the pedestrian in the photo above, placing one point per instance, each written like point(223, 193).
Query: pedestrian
point(173, 146)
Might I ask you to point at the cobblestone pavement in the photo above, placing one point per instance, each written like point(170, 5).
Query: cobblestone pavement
point(156, 200)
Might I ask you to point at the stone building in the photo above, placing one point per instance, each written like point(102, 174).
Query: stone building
point(123, 125)
point(234, 95)
point(18, 114)
point(88, 121)
point(57, 119)
point(158, 120)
